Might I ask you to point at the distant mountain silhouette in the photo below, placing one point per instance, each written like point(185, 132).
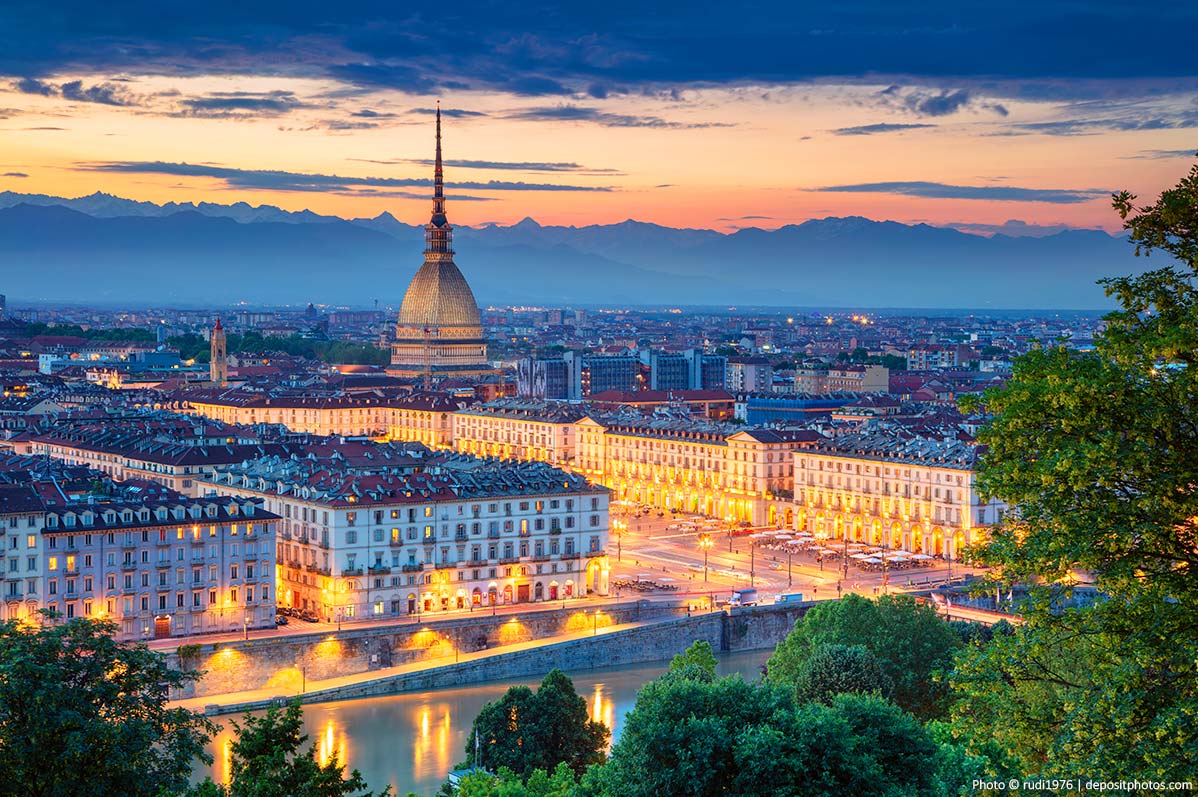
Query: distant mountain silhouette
point(104, 248)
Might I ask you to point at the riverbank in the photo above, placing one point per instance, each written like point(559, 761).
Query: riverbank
point(749, 628)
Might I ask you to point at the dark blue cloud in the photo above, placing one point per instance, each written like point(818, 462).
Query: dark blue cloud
point(242, 103)
point(541, 47)
point(869, 130)
point(272, 180)
point(14, 174)
point(995, 193)
point(75, 90)
point(31, 85)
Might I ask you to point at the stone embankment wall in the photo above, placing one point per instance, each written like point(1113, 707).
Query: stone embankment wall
point(753, 628)
point(290, 661)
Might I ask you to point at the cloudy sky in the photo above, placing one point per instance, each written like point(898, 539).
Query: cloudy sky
point(984, 115)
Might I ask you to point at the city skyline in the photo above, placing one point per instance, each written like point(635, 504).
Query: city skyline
point(594, 118)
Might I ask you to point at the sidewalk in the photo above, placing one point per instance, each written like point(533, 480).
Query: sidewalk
point(317, 690)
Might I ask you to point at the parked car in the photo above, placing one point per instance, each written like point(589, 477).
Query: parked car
point(281, 619)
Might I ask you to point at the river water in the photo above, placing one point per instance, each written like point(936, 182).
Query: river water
point(412, 740)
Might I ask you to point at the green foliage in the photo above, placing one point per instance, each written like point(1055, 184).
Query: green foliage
point(195, 347)
point(695, 738)
point(83, 715)
point(136, 334)
point(268, 760)
point(910, 641)
point(699, 658)
point(1099, 451)
point(833, 670)
point(560, 783)
point(525, 731)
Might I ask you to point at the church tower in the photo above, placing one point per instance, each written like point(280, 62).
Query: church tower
point(218, 361)
point(439, 333)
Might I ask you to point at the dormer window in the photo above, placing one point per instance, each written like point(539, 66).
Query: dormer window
point(88, 518)
point(110, 518)
point(142, 514)
point(160, 513)
point(68, 519)
point(52, 521)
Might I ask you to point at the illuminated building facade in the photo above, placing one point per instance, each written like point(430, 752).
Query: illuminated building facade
point(913, 494)
point(681, 465)
point(380, 542)
point(518, 429)
point(218, 359)
point(22, 517)
point(847, 379)
point(161, 569)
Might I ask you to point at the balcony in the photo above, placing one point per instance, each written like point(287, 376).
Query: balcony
point(459, 536)
point(509, 560)
point(571, 555)
point(323, 571)
point(412, 568)
point(594, 554)
point(128, 565)
point(351, 571)
point(540, 557)
point(380, 570)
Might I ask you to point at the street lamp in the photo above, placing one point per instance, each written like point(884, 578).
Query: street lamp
point(705, 542)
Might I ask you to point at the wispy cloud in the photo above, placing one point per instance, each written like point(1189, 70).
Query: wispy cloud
point(514, 166)
point(14, 174)
point(1015, 228)
point(1165, 154)
point(1084, 127)
point(869, 130)
point(272, 180)
point(582, 113)
point(994, 193)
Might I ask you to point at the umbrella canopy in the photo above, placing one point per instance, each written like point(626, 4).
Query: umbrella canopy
point(873, 560)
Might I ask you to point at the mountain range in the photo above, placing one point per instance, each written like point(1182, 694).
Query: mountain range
point(103, 248)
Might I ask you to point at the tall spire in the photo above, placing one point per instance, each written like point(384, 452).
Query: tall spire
point(438, 234)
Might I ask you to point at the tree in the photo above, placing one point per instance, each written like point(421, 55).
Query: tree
point(833, 670)
point(84, 715)
point(912, 644)
point(268, 760)
point(525, 731)
point(699, 656)
point(1099, 452)
point(694, 738)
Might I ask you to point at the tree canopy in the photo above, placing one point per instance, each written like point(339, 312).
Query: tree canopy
point(83, 715)
point(268, 759)
point(525, 731)
point(912, 645)
point(1098, 450)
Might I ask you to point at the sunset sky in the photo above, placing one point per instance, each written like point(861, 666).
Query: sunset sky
point(686, 114)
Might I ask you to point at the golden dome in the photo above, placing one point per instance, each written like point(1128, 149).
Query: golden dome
point(437, 297)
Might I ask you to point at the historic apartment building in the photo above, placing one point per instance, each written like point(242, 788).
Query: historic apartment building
point(523, 429)
point(682, 465)
point(158, 568)
point(846, 379)
point(914, 494)
point(372, 540)
point(420, 417)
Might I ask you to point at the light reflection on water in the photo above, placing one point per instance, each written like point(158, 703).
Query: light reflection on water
point(412, 740)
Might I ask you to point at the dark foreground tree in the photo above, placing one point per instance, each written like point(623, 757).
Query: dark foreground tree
point(525, 731)
point(268, 759)
point(910, 641)
point(1099, 452)
point(83, 715)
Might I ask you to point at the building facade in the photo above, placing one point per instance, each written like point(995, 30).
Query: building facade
point(912, 494)
point(845, 379)
point(375, 542)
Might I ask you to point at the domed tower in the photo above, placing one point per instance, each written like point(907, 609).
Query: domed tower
point(440, 332)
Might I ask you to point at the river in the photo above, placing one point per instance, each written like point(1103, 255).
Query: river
point(412, 740)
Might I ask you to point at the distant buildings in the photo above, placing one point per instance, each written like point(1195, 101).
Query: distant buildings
point(749, 375)
point(843, 379)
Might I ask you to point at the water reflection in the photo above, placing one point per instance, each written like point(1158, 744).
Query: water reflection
point(411, 741)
